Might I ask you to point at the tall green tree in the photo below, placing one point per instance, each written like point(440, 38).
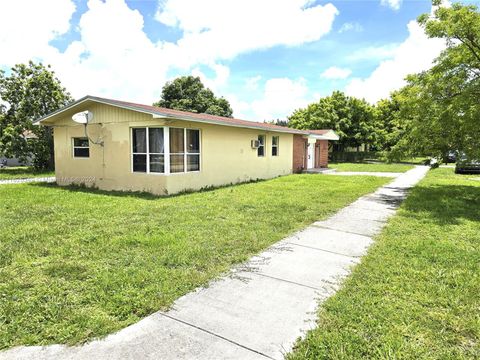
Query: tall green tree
point(390, 128)
point(188, 93)
point(351, 118)
point(29, 92)
point(441, 107)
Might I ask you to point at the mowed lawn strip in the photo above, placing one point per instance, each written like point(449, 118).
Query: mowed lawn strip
point(371, 167)
point(23, 172)
point(77, 264)
point(416, 294)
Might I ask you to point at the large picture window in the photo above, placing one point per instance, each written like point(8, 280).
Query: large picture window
point(150, 153)
point(81, 148)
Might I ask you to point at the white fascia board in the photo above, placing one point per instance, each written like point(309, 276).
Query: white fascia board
point(185, 118)
point(327, 136)
point(157, 115)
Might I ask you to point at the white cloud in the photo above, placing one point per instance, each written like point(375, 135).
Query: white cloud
point(218, 29)
point(394, 4)
point(222, 73)
point(374, 53)
point(114, 57)
point(241, 109)
point(351, 26)
point(25, 34)
point(415, 54)
point(280, 97)
point(251, 84)
point(334, 72)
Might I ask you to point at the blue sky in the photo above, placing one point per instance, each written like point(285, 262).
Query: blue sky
point(266, 57)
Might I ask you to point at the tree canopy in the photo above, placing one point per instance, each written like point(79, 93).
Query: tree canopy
point(437, 112)
point(29, 92)
point(189, 94)
point(440, 108)
point(351, 118)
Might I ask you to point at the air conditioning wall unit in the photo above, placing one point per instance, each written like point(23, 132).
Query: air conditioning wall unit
point(255, 144)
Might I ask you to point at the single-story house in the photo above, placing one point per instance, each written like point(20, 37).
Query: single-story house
point(133, 147)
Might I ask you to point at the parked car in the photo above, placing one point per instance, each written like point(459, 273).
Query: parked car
point(465, 165)
point(451, 157)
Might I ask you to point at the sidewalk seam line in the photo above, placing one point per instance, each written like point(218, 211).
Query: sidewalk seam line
point(345, 231)
point(287, 281)
point(216, 335)
point(323, 250)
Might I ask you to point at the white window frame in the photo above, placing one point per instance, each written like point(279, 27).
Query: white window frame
point(80, 147)
point(150, 153)
point(277, 145)
point(262, 145)
point(199, 153)
point(166, 150)
point(184, 150)
point(147, 153)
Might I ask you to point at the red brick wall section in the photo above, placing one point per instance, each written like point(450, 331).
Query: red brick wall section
point(323, 162)
point(299, 158)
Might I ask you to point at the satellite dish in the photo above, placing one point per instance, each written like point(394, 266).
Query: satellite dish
point(83, 117)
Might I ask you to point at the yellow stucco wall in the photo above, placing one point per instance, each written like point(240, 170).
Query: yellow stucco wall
point(226, 155)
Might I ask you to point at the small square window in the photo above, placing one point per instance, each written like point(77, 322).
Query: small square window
point(81, 148)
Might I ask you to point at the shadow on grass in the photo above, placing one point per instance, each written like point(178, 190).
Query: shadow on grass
point(445, 204)
point(144, 195)
point(393, 201)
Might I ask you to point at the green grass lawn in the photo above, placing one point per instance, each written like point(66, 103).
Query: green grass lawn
point(77, 264)
point(374, 167)
point(418, 160)
point(22, 172)
point(416, 295)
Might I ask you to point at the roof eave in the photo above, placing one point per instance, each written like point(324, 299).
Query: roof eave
point(331, 136)
point(62, 109)
point(85, 99)
point(213, 122)
point(159, 115)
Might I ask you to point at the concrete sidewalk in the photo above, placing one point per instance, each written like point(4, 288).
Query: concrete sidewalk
point(261, 307)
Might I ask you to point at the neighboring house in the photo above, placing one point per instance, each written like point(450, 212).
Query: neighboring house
point(128, 146)
point(27, 135)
